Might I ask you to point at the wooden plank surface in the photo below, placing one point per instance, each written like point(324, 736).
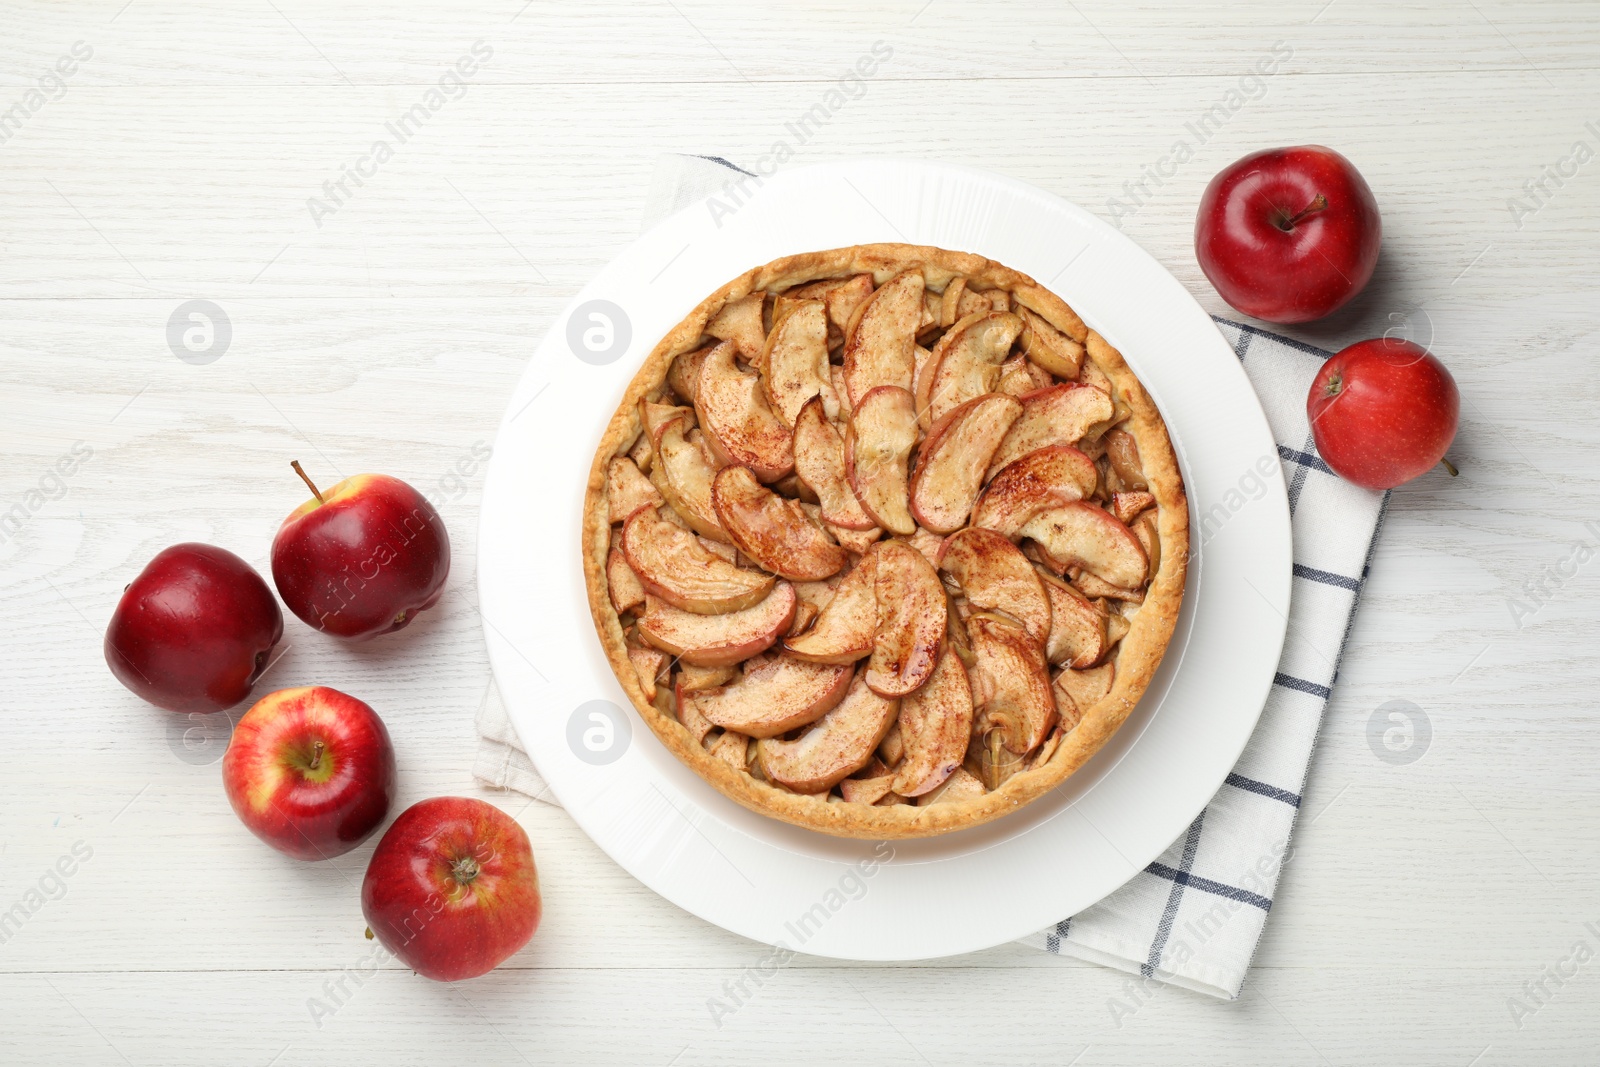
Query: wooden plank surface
point(175, 163)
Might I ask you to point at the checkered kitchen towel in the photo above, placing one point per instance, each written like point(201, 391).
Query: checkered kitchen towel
point(1193, 917)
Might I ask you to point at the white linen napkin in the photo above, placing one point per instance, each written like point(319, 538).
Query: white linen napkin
point(1194, 916)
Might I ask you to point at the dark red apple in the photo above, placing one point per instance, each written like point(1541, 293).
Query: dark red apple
point(363, 558)
point(194, 630)
point(1383, 412)
point(452, 888)
point(310, 771)
point(1288, 234)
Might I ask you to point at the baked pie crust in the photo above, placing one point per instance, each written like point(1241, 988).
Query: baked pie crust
point(976, 413)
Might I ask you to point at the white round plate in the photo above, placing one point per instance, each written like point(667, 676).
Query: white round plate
point(859, 899)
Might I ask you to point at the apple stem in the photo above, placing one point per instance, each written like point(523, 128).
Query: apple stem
point(305, 478)
point(1451, 467)
point(464, 870)
point(316, 756)
point(1320, 203)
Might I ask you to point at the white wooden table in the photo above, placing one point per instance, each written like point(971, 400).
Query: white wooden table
point(176, 162)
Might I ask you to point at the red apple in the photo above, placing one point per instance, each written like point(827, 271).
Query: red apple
point(363, 558)
point(310, 771)
point(1383, 412)
point(452, 889)
point(1288, 234)
point(194, 630)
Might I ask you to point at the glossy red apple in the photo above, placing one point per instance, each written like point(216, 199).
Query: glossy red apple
point(310, 771)
point(1383, 412)
point(1288, 234)
point(363, 558)
point(452, 888)
point(194, 630)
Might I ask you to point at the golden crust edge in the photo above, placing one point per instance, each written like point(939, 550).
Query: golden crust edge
point(1142, 648)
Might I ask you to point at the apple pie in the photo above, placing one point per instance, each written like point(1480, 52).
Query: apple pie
point(884, 541)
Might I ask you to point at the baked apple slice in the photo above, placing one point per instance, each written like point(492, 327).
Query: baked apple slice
point(846, 627)
point(877, 451)
point(1127, 506)
point(740, 321)
point(647, 664)
point(724, 549)
point(731, 748)
point(1059, 415)
point(966, 361)
point(697, 724)
point(772, 530)
point(627, 489)
point(783, 305)
point(1019, 377)
point(935, 726)
point(841, 743)
point(819, 594)
point(911, 619)
point(683, 473)
point(1146, 527)
point(857, 541)
point(961, 785)
point(992, 762)
point(1096, 588)
point(819, 463)
point(1045, 477)
point(878, 347)
point(1048, 348)
point(718, 640)
point(892, 749)
point(794, 362)
point(843, 300)
point(775, 694)
point(1123, 451)
point(683, 376)
point(952, 461)
point(804, 616)
point(950, 301)
point(655, 417)
point(1077, 628)
point(1117, 627)
point(692, 677)
point(994, 575)
point(927, 543)
point(1091, 374)
point(922, 386)
point(622, 584)
point(740, 427)
point(842, 295)
point(976, 301)
point(642, 452)
point(865, 790)
point(1083, 535)
point(1069, 719)
point(836, 375)
point(1087, 688)
point(672, 564)
point(1010, 683)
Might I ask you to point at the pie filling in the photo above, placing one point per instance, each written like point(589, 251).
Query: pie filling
point(879, 543)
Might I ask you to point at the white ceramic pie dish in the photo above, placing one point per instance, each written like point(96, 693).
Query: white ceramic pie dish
point(830, 896)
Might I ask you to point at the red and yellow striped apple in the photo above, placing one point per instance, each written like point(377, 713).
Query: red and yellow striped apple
point(310, 771)
point(452, 889)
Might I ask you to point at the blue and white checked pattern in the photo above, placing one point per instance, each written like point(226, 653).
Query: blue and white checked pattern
point(1194, 916)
